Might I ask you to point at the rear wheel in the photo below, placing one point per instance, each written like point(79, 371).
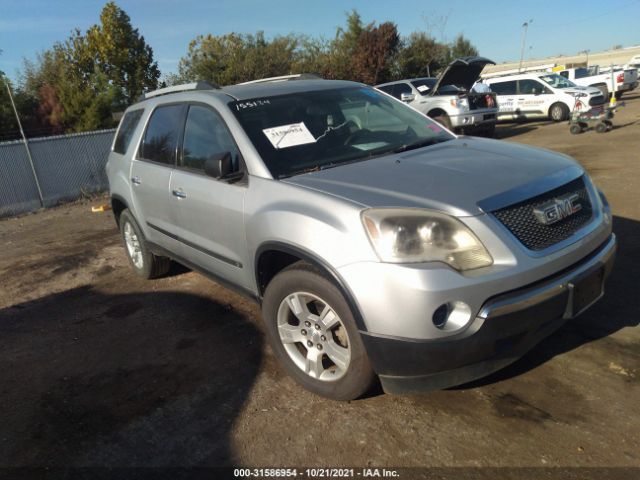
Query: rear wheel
point(313, 333)
point(144, 263)
point(601, 127)
point(558, 112)
point(618, 95)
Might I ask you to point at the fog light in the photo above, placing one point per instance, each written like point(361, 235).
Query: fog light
point(440, 315)
point(451, 316)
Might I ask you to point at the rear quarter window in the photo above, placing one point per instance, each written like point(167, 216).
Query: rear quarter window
point(125, 132)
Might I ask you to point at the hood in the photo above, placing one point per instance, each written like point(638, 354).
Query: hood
point(453, 177)
point(462, 72)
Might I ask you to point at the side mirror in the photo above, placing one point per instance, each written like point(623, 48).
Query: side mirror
point(219, 165)
point(407, 97)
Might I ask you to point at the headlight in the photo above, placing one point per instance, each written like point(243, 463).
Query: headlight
point(411, 235)
point(460, 103)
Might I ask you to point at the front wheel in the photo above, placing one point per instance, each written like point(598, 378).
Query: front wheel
point(575, 129)
point(314, 335)
point(559, 112)
point(444, 120)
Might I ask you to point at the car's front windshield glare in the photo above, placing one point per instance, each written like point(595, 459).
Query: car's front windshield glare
point(319, 129)
point(557, 81)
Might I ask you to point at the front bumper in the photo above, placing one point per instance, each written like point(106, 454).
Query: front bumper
point(469, 119)
point(507, 327)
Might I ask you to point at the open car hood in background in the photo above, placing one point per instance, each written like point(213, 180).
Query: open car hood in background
point(462, 72)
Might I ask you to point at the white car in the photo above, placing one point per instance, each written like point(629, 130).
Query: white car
point(541, 95)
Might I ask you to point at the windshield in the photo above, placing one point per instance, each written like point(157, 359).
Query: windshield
point(557, 81)
point(424, 85)
point(308, 131)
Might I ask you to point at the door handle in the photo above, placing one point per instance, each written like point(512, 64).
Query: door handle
point(136, 180)
point(179, 194)
point(522, 99)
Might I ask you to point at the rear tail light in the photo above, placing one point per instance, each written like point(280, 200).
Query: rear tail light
point(620, 78)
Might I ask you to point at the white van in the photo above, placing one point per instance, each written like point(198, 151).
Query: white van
point(540, 95)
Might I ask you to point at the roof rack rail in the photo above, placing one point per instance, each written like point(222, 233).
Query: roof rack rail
point(200, 85)
point(285, 78)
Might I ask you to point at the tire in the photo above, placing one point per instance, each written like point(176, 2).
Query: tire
point(618, 95)
point(558, 112)
point(444, 120)
point(144, 263)
point(342, 371)
point(601, 127)
point(575, 129)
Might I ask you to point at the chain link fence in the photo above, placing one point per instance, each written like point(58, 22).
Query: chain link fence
point(66, 166)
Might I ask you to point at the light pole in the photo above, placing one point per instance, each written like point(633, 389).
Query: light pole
point(586, 52)
point(525, 26)
point(24, 139)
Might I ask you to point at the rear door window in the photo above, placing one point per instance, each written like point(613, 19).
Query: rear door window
point(163, 132)
point(125, 132)
point(504, 88)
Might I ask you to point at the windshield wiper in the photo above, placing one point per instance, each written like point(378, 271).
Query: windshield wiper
point(301, 171)
point(419, 144)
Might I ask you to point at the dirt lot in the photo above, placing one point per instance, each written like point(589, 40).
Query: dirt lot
point(98, 367)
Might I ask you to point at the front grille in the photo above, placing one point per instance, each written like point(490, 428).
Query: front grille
point(597, 100)
point(521, 221)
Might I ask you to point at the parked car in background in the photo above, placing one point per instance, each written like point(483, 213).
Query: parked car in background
point(634, 62)
point(449, 99)
point(375, 241)
point(540, 95)
point(624, 80)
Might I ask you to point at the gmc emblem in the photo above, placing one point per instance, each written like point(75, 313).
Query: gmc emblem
point(557, 209)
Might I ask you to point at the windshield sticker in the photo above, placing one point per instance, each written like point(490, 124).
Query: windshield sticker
point(434, 128)
point(287, 136)
point(251, 104)
point(422, 88)
point(369, 146)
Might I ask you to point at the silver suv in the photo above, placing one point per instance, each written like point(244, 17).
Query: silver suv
point(378, 244)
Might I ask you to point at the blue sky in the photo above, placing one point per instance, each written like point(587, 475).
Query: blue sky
point(495, 27)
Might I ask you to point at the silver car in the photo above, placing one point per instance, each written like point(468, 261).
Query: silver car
point(451, 99)
point(378, 244)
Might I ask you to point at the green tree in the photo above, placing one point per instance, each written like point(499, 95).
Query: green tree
point(78, 83)
point(343, 48)
point(120, 52)
point(234, 58)
point(461, 47)
point(420, 55)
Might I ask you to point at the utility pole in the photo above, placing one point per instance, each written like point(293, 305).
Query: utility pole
point(525, 26)
point(26, 143)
